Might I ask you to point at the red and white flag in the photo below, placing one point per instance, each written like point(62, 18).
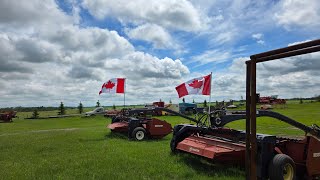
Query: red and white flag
point(115, 85)
point(200, 85)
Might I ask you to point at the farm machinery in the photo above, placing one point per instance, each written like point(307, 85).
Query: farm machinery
point(7, 116)
point(270, 100)
point(277, 157)
point(138, 125)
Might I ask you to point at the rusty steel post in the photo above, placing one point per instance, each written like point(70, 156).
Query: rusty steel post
point(253, 126)
point(248, 164)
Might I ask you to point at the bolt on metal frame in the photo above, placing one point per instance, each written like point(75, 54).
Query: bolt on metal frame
point(251, 140)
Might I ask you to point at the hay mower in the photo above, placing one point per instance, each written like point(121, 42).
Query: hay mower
point(138, 125)
point(277, 157)
point(7, 116)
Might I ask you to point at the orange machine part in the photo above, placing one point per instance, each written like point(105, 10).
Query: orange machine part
point(213, 148)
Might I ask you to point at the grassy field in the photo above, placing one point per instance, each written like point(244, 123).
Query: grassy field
point(82, 148)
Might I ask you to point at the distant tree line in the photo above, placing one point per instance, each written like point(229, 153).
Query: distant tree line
point(61, 108)
point(29, 109)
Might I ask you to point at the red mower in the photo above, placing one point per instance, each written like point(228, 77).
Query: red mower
point(138, 125)
point(277, 157)
point(7, 116)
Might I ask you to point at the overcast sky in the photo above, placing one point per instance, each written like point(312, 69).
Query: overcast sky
point(52, 51)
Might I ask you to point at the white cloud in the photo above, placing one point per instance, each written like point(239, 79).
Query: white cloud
point(47, 55)
point(257, 36)
point(176, 14)
point(62, 61)
point(293, 13)
point(30, 16)
point(290, 77)
point(260, 41)
point(211, 56)
point(158, 36)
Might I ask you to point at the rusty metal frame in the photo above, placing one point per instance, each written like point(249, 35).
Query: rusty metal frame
point(251, 140)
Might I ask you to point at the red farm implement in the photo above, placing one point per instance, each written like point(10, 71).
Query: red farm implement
point(277, 157)
point(138, 125)
point(271, 100)
point(7, 116)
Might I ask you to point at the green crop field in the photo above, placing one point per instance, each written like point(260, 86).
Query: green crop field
point(82, 148)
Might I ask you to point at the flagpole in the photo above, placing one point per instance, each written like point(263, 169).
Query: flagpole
point(124, 95)
point(210, 97)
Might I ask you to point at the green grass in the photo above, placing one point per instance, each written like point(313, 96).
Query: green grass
point(82, 148)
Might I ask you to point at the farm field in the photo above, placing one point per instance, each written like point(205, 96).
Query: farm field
point(82, 148)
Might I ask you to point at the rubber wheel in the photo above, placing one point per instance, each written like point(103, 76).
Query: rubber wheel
point(139, 133)
point(173, 145)
point(282, 167)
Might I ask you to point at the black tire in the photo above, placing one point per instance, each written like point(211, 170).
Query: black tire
point(282, 167)
point(139, 133)
point(173, 145)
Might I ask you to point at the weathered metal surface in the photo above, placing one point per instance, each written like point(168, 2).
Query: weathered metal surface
point(213, 148)
point(158, 128)
point(313, 157)
point(248, 150)
point(119, 126)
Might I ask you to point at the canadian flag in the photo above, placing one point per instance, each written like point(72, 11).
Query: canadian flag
point(200, 85)
point(115, 85)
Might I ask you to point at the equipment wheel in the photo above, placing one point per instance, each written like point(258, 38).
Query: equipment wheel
point(173, 145)
point(282, 167)
point(139, 133)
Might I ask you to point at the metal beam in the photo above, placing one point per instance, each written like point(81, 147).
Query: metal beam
point(287, 49)
point(289, 54)
point(253, 126)
point(248, 121)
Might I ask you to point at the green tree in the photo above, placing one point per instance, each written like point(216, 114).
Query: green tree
point(160, 100)
point(301, 102)
point(80, 108)
point(35, 113)
point(62, 110)
point(193, 101)
point(170, 101)
point(183, 100)
point(114, 107)
point(205, 103)
point(98, 104)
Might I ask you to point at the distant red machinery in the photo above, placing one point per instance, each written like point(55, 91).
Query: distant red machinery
point(111, 113)
point(7, 116)
point(270, 100)
point(155, 112)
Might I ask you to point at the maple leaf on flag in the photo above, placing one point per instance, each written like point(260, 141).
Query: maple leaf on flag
point(109, 85)
point(196, 84)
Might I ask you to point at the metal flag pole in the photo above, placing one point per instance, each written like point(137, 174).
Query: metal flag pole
point(209, 98)
point(124, 94)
